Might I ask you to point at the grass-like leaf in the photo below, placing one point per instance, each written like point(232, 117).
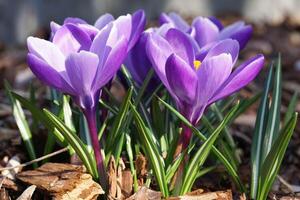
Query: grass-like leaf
point(22, 124)
point(230, 168)
point(271, 165)
point(259, 132)
point(75, 142)
point(152, 153)
point(273, 125)
point(117, 131)
point(201, 155)
point(291, 109)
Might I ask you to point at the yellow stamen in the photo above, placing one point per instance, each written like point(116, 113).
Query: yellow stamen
point(197, 64)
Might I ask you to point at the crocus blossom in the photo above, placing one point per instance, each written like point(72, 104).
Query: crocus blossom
point(137, 61)
point(80, 60)
point(207, 31)
point(197, 80)
point(131, 31)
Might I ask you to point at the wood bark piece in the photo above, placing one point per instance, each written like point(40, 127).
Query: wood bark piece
point(119, 182)
point(141, 168)
point(62, 181)
point(9, 184)
point(127, 183)
point(112, 179)
point(145, 193)
point(4, 194)
point(219, 195)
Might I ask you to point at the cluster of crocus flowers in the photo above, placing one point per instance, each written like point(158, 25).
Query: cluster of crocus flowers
point(205, 32)
point(81, 59)
point(195, 63)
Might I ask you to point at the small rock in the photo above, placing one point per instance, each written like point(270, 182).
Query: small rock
point(14, 161)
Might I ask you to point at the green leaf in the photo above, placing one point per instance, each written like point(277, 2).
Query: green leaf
point(201, 155)
point(259, 132)
point(118, 127)
point(291, 109)
point(159, 125)
point(230, 168)
point(152, 153)
point(273, 124)
point(174, 166)
point(271, 164)
point(22, 124)
point(131, 162)
point(84, 132)
point(75, 143)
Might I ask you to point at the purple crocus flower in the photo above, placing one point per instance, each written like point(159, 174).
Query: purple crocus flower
point(209, 30)
point(197, 80)
point(80, 62)
point(137, 61)
point(131, 31)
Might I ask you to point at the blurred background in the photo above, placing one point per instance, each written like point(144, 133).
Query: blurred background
point(20, 18)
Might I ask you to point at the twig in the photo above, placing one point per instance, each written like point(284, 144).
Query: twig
point(36, 160)
point(285, 183)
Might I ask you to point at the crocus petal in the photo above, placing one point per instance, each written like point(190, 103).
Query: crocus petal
point(237, 31)
point(124, 26)
point(47, 51)
point(54, 27)
point(138, 25)
point(181, 45)
point(162, 30)
point(182, 79)
point(243, 75)
point(217, 22)
point(137, 61)
point(74, 20)
point(205, 31)
point(81, 69)
point(112, 64)
point(158, 51)
point(176, 20)
point(100, 46)
point(211, 75)
point(103, 20)
point(89, 30)
point(225, 46)
point(71, 39)
point(48, 74)
point(164, 19)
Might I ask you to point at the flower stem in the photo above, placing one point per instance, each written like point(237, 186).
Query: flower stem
point(92, 124)
point(184, 140)
point(182, 144)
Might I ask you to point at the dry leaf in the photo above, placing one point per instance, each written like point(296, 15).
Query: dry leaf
point(27, 194)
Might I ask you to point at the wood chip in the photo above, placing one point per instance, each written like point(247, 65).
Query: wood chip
point(289, 198)
point(8, 184)
point(141, 168)
point(219, 195)
point(145, 193)
point(127, 183)
point(4, 194)
point(62, 181)
point(112, 179)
